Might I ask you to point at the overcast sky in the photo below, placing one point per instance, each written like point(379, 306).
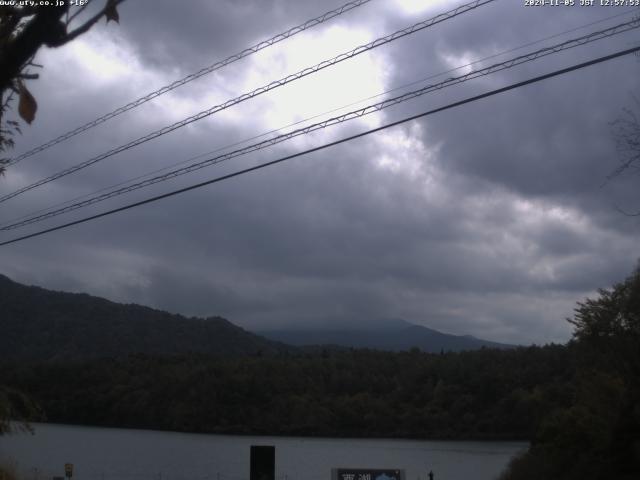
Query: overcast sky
point(490, 219)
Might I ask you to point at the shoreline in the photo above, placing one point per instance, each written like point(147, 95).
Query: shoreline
point(491, 439)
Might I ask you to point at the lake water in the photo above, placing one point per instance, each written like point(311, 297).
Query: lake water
point(121, 454)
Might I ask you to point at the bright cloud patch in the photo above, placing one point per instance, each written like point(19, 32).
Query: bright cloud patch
point(414, 7)
point(329, 89)
point(403, 151)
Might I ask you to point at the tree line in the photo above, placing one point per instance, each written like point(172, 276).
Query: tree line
point(485, 394)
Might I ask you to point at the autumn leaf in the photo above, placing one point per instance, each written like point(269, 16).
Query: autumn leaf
point(27, 106)
point(111, 13)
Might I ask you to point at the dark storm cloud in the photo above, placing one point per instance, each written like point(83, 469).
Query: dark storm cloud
point(548, 139)
point(487, 220)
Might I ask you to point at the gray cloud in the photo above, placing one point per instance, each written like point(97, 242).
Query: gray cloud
point(488, 220)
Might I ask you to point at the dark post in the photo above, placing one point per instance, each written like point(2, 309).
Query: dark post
point(263, 462)
point(431, 475)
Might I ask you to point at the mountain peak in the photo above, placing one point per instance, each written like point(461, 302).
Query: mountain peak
point(393, 335)
point(377, 324)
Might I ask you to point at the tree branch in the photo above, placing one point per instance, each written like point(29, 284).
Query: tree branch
point(43, 28)
point(88, 24)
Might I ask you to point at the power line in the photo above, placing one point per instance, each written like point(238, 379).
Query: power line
point(259, 91)
point(264, 134)
point(318, 115)
point(189, 78)
point(332, 121)
point(331, 144)
point(585, 39)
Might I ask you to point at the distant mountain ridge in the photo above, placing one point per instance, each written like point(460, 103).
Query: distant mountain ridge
point(392, 335)
point(40, 324)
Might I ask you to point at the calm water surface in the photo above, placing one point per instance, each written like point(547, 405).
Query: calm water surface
point(121, 454)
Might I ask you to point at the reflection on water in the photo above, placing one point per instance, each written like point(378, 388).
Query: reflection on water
point(121, 454)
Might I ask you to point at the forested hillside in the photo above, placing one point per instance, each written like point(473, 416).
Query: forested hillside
point(39, 324)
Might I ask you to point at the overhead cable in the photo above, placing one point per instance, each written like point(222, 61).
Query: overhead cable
point(376, 107)
point(259, 91)
point(193, 76)
point(318, 115)
point(330, 144)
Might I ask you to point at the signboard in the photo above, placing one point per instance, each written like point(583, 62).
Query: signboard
point(68, 470)
point(367, 474)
